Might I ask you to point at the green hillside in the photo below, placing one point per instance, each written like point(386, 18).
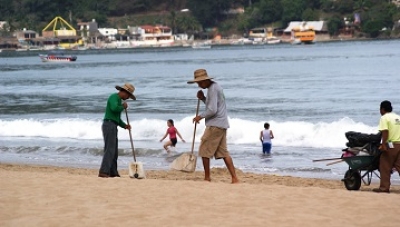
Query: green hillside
point(35, 14)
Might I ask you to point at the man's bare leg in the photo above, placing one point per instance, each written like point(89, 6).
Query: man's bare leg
point(229, 164)
point(206, 165)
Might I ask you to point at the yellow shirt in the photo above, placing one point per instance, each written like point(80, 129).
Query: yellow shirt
point(391, 122)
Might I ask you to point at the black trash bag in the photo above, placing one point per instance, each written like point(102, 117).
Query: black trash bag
point(370, 141)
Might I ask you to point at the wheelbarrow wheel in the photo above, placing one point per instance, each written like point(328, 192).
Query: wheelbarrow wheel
point(352, 179)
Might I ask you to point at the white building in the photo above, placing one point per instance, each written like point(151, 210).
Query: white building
point(4, 26)
point(152, 35)
point(110, 33)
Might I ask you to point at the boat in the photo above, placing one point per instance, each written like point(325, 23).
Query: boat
point(203, 45)
point(303, 34)
point(57, 57)
point(272, 40)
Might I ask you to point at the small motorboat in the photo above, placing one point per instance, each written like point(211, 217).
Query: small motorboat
point(201, 45)
point(57, 57)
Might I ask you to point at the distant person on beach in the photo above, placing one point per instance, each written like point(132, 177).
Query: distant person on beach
point(213, 141)
point(112, 119)
point(389, 125)
point(265, 136)
point(172, 132)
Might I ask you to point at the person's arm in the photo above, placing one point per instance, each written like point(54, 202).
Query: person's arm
point(271, 134)
point(115, 104)
point(179, 135)
point(211, 105)
point(261, 136)
point(164, 136)
point(117, 107)
point(384, 128)
point(385, 135)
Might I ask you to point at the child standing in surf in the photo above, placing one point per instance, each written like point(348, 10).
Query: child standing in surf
point(266, 136)
point(172, 132)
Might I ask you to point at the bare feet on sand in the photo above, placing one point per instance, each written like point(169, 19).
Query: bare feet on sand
point(235, 181)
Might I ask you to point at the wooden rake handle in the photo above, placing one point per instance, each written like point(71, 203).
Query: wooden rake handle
point(130, 136)
point(195, 125)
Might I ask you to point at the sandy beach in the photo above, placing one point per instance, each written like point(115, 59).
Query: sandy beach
point(56, 196)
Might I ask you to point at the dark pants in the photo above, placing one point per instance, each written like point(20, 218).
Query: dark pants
point(109, 163)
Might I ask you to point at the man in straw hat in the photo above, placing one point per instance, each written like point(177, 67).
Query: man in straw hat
point(112, 119)
point(213, 141)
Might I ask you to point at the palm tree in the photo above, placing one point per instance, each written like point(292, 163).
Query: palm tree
point(172, 19)
point(188, 24)
point(360, 6)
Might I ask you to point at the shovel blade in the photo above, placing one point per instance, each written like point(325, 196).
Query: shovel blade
point(186, 163)
point(136, 170)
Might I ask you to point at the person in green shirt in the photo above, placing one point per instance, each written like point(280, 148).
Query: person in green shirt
point(389, 125)
point(112, 119)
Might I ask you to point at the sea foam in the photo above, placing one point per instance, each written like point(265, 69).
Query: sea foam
point(241, 131)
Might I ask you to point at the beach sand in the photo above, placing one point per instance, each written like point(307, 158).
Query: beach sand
point(56, 196)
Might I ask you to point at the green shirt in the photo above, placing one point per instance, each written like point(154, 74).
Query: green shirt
point(114, 109)
point(391, 122)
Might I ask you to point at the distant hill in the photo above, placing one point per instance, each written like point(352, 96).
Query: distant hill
point(374, 15)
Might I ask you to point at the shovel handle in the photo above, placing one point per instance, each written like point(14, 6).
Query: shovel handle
point(195, 124)
point(130, 136)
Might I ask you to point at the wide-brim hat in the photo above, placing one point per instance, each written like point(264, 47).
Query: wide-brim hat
point(127, 88)
point(200, 75)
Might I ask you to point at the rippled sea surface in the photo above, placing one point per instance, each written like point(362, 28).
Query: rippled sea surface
point(51, 113)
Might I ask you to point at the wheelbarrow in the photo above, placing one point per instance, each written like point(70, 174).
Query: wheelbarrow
point(360, 167)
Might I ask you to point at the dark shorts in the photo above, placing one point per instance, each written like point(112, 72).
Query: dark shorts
point(267, 148)
point(174, 141)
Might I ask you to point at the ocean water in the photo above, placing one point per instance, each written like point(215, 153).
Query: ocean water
point(51, 113)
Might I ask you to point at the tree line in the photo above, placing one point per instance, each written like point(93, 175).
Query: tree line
point(374, 14)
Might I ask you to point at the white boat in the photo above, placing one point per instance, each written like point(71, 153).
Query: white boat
point(295, 41)
point(203, 45)
point(273, 40)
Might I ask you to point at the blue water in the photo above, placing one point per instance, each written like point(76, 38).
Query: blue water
point(51, 113)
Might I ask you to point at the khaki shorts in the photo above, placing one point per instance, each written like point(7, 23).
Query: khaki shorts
point(213, 143)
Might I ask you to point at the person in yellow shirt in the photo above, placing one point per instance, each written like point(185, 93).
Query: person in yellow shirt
point(389, 125)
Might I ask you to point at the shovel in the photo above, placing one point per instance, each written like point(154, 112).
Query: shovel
point(135, 168)
point(187, 161)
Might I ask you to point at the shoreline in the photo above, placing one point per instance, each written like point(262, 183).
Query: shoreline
point(219, 175)
point(58, 196)
point(188, 45)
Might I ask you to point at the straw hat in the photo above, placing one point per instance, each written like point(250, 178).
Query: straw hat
point(128, 88)
point(199, 75)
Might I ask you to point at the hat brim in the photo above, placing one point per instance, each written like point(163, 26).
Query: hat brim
point(199, 79)
point(132, 96)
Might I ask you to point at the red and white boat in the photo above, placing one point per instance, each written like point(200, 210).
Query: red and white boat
point(57, 57)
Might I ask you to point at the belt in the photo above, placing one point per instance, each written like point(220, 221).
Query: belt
point(396, 143)
point(108, 120)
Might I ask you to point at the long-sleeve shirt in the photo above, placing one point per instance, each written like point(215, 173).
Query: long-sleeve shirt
point(215, 113)
point(114, 109)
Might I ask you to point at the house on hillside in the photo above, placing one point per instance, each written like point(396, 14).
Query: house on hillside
point(109, 33)
point(396, 2)
point(320, 28)
point(60, 29)
point(26, 34)
point(9, 43)
point(4, 26)
point(151, 35)
point(89, 31)
point(26, 38)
